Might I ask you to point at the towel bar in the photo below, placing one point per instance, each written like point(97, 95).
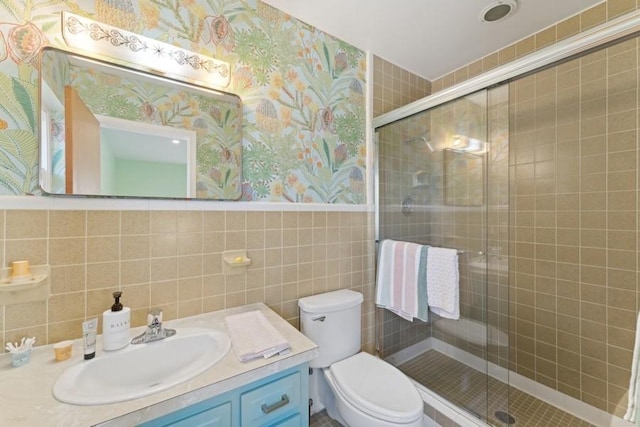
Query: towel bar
point(462, 252)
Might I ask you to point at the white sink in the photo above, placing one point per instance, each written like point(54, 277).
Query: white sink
point(142, 369)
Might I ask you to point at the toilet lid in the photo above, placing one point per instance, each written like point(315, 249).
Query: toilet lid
point(388, 395)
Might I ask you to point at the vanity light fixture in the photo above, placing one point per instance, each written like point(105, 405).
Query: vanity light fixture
point(156, 56)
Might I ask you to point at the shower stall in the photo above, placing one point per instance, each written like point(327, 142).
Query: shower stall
point(443, 181)
point(532, 173)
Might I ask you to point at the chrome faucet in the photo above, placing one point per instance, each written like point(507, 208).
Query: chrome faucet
point(154, 331)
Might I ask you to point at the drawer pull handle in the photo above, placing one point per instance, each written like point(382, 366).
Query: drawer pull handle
point(279, 404)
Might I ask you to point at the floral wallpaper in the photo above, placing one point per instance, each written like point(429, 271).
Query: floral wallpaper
point(302, 90)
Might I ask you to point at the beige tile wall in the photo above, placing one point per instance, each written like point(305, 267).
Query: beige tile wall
point(574, 225)
point(172, 260)
point(394, 86)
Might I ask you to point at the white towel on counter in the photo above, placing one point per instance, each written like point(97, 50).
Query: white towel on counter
point(401, 285)
point(632, 405)
point(253, 336)
point(443, 287)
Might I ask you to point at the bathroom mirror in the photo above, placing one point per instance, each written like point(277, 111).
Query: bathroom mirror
point(463, 178)
point(109, 130)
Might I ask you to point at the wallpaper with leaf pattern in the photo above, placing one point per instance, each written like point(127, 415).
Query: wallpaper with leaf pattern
point(302, 90)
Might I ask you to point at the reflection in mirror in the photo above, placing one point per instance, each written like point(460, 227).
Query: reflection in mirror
point(107, 130)
point(159, 164)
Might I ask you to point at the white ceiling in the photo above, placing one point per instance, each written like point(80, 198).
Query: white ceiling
point(428, 37)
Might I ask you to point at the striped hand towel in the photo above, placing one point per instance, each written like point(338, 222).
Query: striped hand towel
point(401, 280)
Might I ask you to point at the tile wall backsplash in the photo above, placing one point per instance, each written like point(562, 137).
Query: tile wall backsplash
point(173, 260)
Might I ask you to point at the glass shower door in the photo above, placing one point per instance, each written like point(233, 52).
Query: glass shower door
point(443, 181)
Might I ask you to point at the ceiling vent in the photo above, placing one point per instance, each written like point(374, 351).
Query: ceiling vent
point(498, 11)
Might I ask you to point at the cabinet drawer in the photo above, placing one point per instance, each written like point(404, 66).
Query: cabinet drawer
point(218, 416)
point(292, 421)
point(270, 401)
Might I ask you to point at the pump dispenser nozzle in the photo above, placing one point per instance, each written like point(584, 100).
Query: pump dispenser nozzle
point(117, 306)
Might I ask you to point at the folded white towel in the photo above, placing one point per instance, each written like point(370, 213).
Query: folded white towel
point(632, 405)
point(253, 336)
point(443, 288)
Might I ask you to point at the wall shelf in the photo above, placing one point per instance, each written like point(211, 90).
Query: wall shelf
point(35, 288)
point(420, 179)
point(235, 262)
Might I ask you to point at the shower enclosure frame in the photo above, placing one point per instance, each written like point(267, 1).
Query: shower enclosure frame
point(613, 31)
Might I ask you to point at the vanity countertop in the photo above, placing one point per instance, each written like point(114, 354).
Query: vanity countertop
point(26, 391)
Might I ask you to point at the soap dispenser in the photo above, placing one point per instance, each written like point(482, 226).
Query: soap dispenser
point(115, 325)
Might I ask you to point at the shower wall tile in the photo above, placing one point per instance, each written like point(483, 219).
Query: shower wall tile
point(575, 274)
point(394, 86)
point(567, 28)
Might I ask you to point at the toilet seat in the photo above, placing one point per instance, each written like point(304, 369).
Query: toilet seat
point(387, 395)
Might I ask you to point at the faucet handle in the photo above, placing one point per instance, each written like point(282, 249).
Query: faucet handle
point(154, 317)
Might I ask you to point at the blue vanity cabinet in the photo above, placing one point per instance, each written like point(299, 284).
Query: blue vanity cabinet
point(279, 400)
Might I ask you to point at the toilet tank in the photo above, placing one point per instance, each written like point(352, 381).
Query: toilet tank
point(332, 321)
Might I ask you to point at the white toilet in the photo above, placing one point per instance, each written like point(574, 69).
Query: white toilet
point(358, 389)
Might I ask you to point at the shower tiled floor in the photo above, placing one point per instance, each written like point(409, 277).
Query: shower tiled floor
point(465, 387)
